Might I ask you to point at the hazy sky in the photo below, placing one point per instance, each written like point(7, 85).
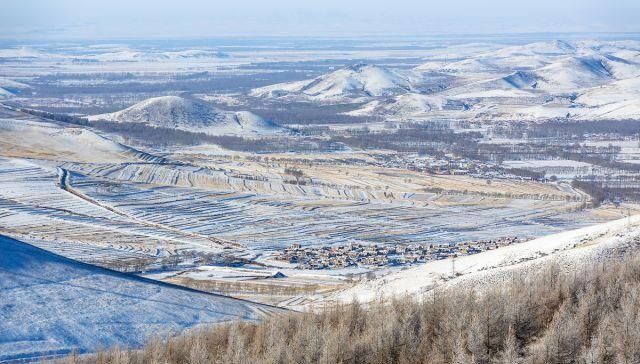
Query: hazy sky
point(145, 19)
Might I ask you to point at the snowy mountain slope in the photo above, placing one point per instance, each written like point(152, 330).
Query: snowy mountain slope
point(610, 47)
point(622, 68)
point(573, 73)
point(470, 66)
point(505, 59)
point(50, 305)
point(517, 79)
point(614, 101)
point(192, 115)
point(517, 85)
point(582, 81)
point(360, 80)
point(569, 74)
point(524, 82)
point(477, 67)
point(569, 248)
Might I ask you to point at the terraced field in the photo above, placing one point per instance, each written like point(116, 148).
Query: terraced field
point(111, 211)
point(34, 206)
point(265, 221)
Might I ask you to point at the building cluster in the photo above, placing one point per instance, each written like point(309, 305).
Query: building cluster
point(364, 255)
point(448, 164)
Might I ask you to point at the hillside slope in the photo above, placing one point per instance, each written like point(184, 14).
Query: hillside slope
point(31, 138)
point(50, 305)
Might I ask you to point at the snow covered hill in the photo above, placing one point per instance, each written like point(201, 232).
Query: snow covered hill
point(25, 136)
point(356, 81)
point(37, 139)
point(50, 305)
point(504, 60)
point(534, 81)
point(556, 47)
point(573, 73)
point(192, 115)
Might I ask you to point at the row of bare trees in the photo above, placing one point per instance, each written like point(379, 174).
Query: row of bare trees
point(547, 316)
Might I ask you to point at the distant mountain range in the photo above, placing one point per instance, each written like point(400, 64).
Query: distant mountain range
point(557, 79)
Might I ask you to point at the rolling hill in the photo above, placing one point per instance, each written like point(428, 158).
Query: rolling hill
point(505, 59)
point(585, 85)
point(356, 81)
point(192, 115)
point(535, 81)
point(573, 73)
point(31, 138)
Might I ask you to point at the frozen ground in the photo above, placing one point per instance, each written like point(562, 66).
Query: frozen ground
point(50, 305)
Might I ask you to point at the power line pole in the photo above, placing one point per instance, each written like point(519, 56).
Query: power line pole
point(453, 265)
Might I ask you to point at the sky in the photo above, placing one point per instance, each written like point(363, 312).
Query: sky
point(164, 19)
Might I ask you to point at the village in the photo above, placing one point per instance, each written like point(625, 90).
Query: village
point(375, 255)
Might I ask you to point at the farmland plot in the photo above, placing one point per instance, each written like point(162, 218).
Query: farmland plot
point(103, 205)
